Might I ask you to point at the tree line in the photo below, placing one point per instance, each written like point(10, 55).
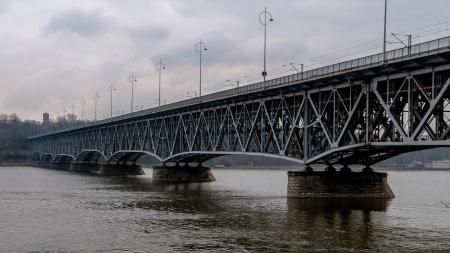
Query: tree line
point(14, 145)
point(14, 133)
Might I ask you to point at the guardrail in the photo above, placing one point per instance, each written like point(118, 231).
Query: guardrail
point(414, 51)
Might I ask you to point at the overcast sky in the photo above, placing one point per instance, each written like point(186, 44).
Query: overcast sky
point(55, 52)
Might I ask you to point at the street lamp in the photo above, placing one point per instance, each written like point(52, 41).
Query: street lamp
point(263, 21)
point(159, 67)
point(96, 97)
point(132, 79)
point(72, 117)
point(199, 47)
point(72, 107)
point(111, 90)
point(83, 102)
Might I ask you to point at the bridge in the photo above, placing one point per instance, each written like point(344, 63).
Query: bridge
point(360, 111)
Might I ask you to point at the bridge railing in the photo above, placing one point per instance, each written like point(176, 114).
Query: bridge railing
point(434, 46)
point(364, 62)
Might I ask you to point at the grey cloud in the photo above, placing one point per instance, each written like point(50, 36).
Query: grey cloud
point(147, 33)
point(4, 5)
point(220, 50)
point(121, 35)
point(83, 23)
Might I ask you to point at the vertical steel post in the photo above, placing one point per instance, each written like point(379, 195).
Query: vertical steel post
point(111, 89)
point(96, 96)
point(334, 115)
point(159, 67)
point(132, 81)
point(199, 47)
point(264, 23)
point(384, 36)
point(265, 45)
point(132, 94)
point(368, 87)
point(305, 127)
point(409, 43)
point(83, 102)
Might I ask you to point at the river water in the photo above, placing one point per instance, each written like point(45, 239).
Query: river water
point(243, 211)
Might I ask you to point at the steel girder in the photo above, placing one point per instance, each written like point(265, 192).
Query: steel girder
point(357, 121)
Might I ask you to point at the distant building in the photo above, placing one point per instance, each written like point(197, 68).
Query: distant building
point(45, 120)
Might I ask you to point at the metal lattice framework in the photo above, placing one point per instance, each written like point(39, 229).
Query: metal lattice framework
point(359, 115)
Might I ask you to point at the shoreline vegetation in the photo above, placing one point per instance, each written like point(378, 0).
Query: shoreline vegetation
point(17, 164)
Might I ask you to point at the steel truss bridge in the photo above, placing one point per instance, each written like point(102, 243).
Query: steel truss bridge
point(360, 111)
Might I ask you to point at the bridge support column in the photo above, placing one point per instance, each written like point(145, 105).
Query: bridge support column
point(60, 165)
point(85, 167)
point(121, 169)
point(182, 174)
point(342, 184)
point(44, 164)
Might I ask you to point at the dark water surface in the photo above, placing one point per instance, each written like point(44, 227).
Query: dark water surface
point(244, 211)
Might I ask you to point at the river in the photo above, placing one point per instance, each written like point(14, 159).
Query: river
point(45, 210)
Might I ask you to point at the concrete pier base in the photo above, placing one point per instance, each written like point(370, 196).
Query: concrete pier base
point(60, 165)
point(121, 169)
point(44, 164)
point(179, 174)
point(85, 167)
point(328, 184)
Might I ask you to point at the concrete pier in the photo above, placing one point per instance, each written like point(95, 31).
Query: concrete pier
point(60, 165)
point(44, 164)
point(182, 174)
point(85, 167)
point(121, 169)
point(345, 184)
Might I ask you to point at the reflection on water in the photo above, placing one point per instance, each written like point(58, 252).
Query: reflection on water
point(338, 204)
point(55, 211)
point(336, 223)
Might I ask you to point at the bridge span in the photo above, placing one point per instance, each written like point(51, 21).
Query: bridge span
point(360, 112)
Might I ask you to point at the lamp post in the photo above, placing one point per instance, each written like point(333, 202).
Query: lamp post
point(72, 107)
point(263, 21)
point(96, 97)
point(83, 102)
point(132, 79)
point(111, 90)
point(72, 116)
point(199, 47)
point(159, 67)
